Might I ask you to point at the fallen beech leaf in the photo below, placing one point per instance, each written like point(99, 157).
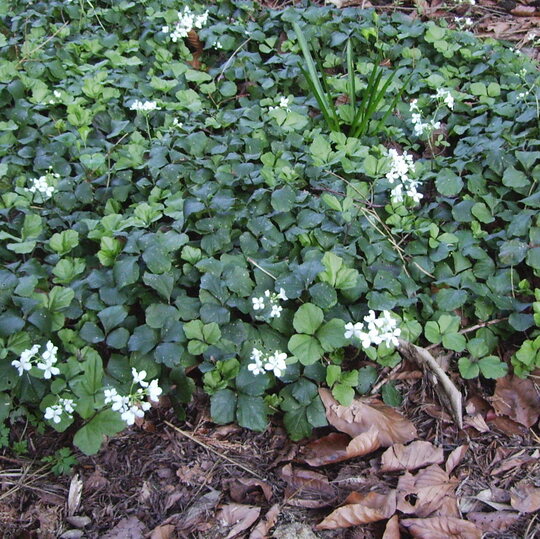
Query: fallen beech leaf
point(523, 11)
point(477, 422)
point(163, 531)
point(327, 450)
point(496, 521)
point(306, 488)
point(365, 414)
point(525, 497)
point(416, 455)
point(367, 508)
point(263, 527)
point(241, 517)
point(492, 499)
point(364, 443)
point(392, 529)
point(247, 490)
point(507, 426)
point(130, 527)
point(455, 458)
point(441, 528)
point(518, 399)
point(427, 489)
point(514, 462)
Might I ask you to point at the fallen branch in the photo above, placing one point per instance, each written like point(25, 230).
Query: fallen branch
point(446, 390)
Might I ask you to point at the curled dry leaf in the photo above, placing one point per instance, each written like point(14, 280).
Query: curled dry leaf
point(365, 414)
point(366, 508)
point(518, 399)
point(429, 489)
point(248, 490)
point(514, 462)
point(455, 458)
point(306, 488)
point(326, 450)
point(441, 528)
point(392, 529)
point(525, 497)
point(266, 524)
point(163, 531)
point(241, 517)
point(411, 457)
point(496, 521)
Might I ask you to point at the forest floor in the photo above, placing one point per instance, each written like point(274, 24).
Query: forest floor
point(164, 479)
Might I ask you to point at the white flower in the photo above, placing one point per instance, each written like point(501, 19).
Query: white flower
point(41, 185)
point(144, 106)
point(138, 377)
point(276, 311)
point(68, 405)
point(258, 303)
point(276, 363)
point(154, 391)
point(54, 413)
point(145, 406)
point(353, 330)
point(282, 294)
point(120, 403)
point(24, 363)
point(256, 355)
point(48, 368)
point(256, 367)
point(218, 45)
point(110, 395)
point(128, 415)
point(165, 29)
point(446, 96)
point(267, 293)
point(50, 352)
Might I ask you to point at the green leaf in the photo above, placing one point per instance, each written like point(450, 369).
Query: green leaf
point(492, 367)
point(211, 333)
point(448, 183)
point(63, 242)
point(157, 258)
point(316, 413)
point(112, 316)
point(223, 406)
point(332, 335)
point(162, 284)
point(343, 393)
point(467, 368)
point(194, 330)
point(297, 424)
point(283, 199)
point(513, 252)
point(333, 374)
point(367, 376)
point(332, 264)
point(251, 384)
point(454, 341)
point(60, 298)
point(251, 412)
point(169, 353)
point(126, 271)
point(391, 395)
point(158, 315)
point(91, 333)
point(449, 299)
point(515, 178)
point(432, 332)
point(308, 318)
point(306, 348)
point(32, 227)
point(90, 437)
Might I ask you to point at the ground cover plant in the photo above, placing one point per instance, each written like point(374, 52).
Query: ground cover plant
point(177, 213)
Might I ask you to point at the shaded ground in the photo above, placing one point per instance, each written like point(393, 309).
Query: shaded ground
point(157, 481)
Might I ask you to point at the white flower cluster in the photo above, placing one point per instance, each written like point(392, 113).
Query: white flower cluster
point(419, 126)
point(375, 330)
point(45, 362)
point(284, 103)
point(42, 185)
point(463, 22)
point(133, 405)
point(270, 299)
point(144, 106)
point(446, 96)
point(187, 20)
point(55, 411)
point(271, 362)
point(400, 169)
point(57, 95)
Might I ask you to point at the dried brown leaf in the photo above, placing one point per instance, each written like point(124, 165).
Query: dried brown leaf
point(427, 489)
point(363, 414)
point(455, 458)
point(392, 529)
point(327, 450)
point(241, 517)
point(163, 531)
point(523, 11)
point(507, 426)
point(525, 497)
point(518, 399)
point(496, 521)
point(367, 508)
point(477, 422)
point(130, 527)
point(264, 526)
point(441, 528)
point(514, 462)
point(247, 490)
point(306, 488)
point(411, 457)
point(364, 443)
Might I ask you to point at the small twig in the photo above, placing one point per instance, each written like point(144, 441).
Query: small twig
point(25, 59)
point(202, 444)
point(382, 381)
point(473, 328)
point(230, 59)
point(259, 267)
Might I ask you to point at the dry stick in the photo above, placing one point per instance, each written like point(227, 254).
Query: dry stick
point(259, 267)
point(26, 58)
point(226, 64)
point(447, 391)
point(193, 439)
